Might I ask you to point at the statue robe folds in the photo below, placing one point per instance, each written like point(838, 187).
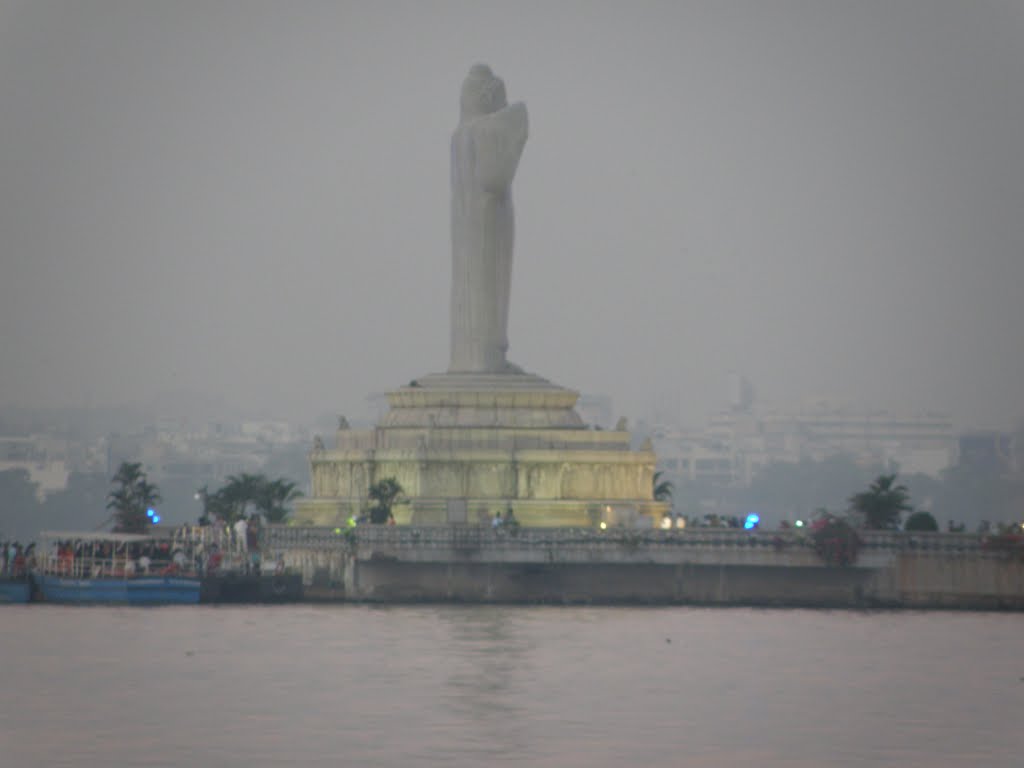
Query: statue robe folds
point(486, 148)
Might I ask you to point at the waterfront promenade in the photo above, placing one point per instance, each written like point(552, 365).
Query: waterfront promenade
point(699, 566)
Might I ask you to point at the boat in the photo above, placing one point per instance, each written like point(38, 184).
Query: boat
point(115, 568)
point(15, 590)
point(15, 581)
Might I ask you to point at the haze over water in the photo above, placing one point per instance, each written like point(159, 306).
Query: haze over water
point(246, 204)
point(471, 686)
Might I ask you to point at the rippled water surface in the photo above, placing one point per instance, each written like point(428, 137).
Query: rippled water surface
point(474, 686)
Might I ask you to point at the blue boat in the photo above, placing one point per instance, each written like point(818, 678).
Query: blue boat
point(115, 568)
point(15, 590)
point(139, 590)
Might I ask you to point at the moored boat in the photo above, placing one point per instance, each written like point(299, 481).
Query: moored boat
point(115, 568)
point(15, 590)
point(15, 567)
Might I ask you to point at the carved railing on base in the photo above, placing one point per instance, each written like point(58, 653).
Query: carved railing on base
point(485, 537)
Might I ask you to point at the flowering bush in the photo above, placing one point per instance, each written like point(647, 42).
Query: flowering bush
point(1009, 541)
point(835, 540)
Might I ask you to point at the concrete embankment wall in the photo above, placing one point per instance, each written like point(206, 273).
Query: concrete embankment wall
point(724, 568)
point(608, 583)
point(977, 580)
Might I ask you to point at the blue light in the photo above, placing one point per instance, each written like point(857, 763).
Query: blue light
point(151, 512)
point(752, 520)
point(156, 518)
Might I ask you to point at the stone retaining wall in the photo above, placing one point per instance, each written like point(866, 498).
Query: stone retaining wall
point(704, 566)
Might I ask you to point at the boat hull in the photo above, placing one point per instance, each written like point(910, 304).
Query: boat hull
point(144, 590)
point(15, 591)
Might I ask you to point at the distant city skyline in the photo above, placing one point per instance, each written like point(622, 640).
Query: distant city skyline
point(248, 203)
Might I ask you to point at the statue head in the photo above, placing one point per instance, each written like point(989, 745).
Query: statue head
point(482, 92)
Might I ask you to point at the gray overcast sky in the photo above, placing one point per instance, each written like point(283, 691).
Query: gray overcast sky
point(251, 199)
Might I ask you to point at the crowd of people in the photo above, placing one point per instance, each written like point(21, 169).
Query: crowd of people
point(224, 546)
point(79, 558)
point(16, 560)
point(190, 550)
point(187, 551)
point(508, 522)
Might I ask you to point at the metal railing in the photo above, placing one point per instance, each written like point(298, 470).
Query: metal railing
point(117, 566)
point(484, 536)
point(187, 551)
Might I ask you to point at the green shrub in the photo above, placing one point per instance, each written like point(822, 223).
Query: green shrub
point(921, 521)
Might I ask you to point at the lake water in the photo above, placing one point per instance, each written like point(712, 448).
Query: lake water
point(344, 685)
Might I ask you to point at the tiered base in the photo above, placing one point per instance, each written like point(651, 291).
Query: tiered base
point(466, 446)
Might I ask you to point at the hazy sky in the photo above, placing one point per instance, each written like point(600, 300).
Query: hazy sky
point(251, 199)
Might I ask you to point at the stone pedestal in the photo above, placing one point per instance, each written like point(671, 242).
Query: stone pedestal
point(464, 446)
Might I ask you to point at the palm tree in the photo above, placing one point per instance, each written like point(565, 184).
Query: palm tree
point(238, 493)
point(270, 497)
point(662, 488)
point(882, 503)
point(274, 497)
point(215, 505)
point(383, 496)
point(132, 497)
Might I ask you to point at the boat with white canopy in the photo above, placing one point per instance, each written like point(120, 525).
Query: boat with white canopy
point(118, 568)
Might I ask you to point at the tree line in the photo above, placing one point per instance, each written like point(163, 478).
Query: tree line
point(93, 500)
point(962, 494)
point(133, 499)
